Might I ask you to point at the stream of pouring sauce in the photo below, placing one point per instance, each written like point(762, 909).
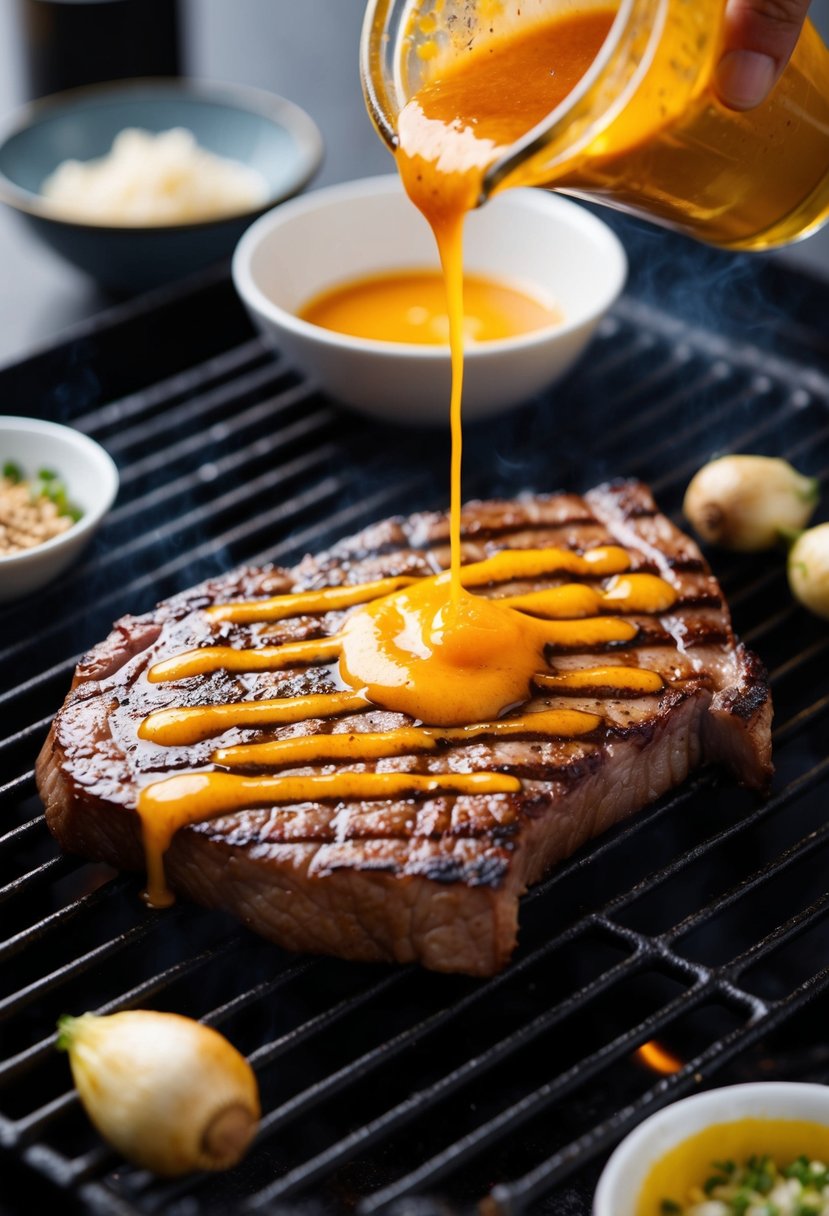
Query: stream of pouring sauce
point(449, 134)
point(453, 660)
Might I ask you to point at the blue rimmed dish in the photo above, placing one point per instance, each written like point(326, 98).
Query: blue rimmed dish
point(259, 129)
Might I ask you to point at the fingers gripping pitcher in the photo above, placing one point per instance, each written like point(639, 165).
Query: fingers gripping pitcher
point(611, 101)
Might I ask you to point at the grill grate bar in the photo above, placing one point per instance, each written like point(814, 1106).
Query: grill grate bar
point(244, 999)
point(18, 1065)
point(516, 1196)
point(368, 1062)
point(782, 935)
point(804, 658)
point(329, 487)
point(771, 623)
point(261, 381)
point(96, 1161)
point(54, 868)
point(610, 842)
point(795, 724)
point(641, 419)
point(310, 426)
point(62, 916)
point(424, 1099)
point(101, 1201)
point(60, 671)
point(716, 345)
point(20, 736)
point(780, 799)
point(641, 342)
point(515, 1116)
point(669, 443)
point(168, 389)
point(18, 835)
point(268, 1052)
point(412, 1035)
point(808, 446)
point(345, 518)
point(748, 592)
point(26, 1129)
point(736, 443)
point(20, 787)
point(787, 858)
point(296, 467)
point(48, 983)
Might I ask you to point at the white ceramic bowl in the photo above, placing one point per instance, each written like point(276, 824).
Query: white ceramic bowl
point(91, 481)
point(368, 227)
point(625, 1173)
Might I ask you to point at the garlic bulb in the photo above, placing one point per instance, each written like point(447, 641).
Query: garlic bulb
point(808, 569)
point(169, 1094)
point(749, 502)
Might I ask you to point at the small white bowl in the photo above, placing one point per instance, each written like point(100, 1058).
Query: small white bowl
point(624, 1175)
point(91, 480)
point(368, 227)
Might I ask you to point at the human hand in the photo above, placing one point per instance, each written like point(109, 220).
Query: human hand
point(760, 35)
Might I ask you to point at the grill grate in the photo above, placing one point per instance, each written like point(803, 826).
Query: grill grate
point(700, 924)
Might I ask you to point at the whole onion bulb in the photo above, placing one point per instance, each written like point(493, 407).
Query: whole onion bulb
point(749, 502)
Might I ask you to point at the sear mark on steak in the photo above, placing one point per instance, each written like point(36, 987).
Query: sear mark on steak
point(436, 878)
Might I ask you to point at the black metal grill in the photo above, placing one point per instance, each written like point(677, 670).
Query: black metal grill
point(701, 924)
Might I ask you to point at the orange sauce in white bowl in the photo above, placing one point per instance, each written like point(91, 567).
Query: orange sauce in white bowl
point(410, 306)
point(691, 1162)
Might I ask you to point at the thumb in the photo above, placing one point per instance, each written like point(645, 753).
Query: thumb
point(760, 35)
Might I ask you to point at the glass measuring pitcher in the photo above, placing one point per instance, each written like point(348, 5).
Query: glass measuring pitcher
point(643, 130)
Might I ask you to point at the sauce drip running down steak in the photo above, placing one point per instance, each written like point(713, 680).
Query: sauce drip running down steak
point(328, 824)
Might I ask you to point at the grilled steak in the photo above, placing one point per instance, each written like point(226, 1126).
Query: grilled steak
point(434, 878)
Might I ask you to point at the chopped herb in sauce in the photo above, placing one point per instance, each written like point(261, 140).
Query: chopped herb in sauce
point(757, 1187)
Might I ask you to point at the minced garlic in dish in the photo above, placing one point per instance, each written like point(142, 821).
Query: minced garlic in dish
point(153, 179)
point(758, 1187)
point(32, 511)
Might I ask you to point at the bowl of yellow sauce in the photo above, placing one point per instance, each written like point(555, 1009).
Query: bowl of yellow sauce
point(743, 1148)
point(346, 284)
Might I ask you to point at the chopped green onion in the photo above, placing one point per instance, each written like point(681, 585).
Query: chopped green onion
point(758, 1187)
point(12, 471)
